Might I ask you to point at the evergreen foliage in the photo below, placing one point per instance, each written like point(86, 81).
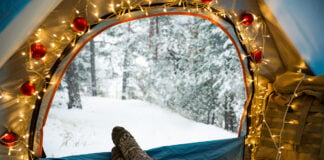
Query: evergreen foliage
point(183, 63)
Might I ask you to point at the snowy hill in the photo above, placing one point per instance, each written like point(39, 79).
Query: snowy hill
point(70, 132)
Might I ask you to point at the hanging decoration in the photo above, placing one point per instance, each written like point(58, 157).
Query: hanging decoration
point(8, 139)
point(247, 19)
point(257, 56)
point(79, 24)
point(206, 1)
point(27, 89)
point(124, 10)
point(37, 51)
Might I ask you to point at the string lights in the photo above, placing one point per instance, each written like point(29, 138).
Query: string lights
point(45, 48)
point(277, 139)
point(253, 35)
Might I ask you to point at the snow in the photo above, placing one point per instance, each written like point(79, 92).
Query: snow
point(75, 131)
point(183, 63)
point(179, 63)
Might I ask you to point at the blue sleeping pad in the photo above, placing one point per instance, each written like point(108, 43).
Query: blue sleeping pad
point(228, 149)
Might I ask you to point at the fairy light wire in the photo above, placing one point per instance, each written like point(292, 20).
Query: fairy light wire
point(57, 40)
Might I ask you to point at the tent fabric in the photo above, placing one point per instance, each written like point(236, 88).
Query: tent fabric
point(302, 21)
point(295, 28)
point(303, 139)
point(228, 149)
point(9, 9)
point(18, 20)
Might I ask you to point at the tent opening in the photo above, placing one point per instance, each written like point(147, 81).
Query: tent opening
point(167, 79)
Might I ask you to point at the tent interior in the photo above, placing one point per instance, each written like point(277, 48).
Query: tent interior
point(279, 44)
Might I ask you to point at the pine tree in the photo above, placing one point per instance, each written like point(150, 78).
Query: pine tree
point(184, 63)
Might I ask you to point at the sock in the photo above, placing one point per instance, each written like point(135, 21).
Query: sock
point(116, 154)
point(127, 145)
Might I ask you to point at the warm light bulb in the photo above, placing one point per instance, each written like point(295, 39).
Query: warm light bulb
point(293, 122)
point(96, 14)
point(53, 44)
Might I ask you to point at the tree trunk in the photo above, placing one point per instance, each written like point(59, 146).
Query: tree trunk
point(230, 117)
point(126, 65)
point(93, 69)
point(226, 114)
point(157, 33)
point(125, 75)
point(208, 117)
point(72, 80)
point(154, 31)
point(213, 119)
point(151, 32)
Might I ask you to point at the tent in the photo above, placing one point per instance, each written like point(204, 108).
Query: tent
point(279, 44)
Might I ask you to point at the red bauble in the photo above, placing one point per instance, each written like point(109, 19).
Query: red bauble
point(27, 89)
point(37, 51)
point(8, 139)
point(79, 24)
point(257, 56)
point(206, 1)
point(247, 19)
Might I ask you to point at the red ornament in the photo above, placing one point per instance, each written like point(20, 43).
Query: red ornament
point(206, 1)
point(27, 89)
point(37, 51)
point(257, 56)
point(247, 19)
point(8, 139)
point(79, 24)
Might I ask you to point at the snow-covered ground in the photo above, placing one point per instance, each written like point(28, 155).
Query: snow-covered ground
point(70, 132)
